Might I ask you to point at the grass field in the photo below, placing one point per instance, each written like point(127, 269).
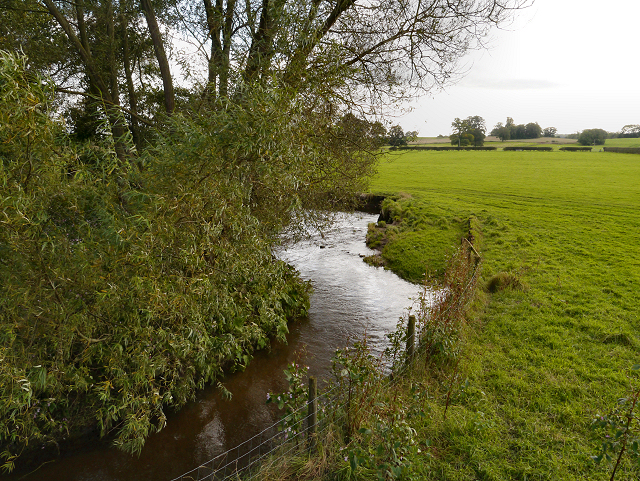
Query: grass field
point(540, 362)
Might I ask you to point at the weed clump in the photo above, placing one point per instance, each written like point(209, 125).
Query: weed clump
point(375, 260)
point(504, 280)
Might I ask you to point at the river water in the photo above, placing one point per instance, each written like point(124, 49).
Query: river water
point(349, 298)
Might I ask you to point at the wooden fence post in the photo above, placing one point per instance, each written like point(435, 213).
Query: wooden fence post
point(411, 338)
point(312, 415)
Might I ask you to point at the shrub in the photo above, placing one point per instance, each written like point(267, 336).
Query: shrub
point(592, 137)
point(576, 149)
point(623, 150)
point(446, 148)
point(391, 210)
point(123, 291)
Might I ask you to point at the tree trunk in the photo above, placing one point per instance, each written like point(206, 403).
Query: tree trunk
point(226, 48)
point(133, 99)
point(158, 47)
point(118, 127)
point(214, 18)
point(111, 100)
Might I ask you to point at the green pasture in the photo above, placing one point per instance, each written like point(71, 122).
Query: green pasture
point(622, 143)
point(541, 362)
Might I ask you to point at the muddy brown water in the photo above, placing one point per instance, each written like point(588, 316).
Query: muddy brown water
point(349, 298)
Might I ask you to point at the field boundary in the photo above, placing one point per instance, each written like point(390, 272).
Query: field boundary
point(623, 150)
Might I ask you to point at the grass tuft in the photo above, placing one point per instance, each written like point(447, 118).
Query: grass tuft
point(502, 281)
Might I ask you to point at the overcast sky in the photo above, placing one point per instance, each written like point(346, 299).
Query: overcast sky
point(569, 64)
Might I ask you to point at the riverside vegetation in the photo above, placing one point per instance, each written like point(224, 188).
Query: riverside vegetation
point(127, 285)
point(538, 378)
point(138, 221)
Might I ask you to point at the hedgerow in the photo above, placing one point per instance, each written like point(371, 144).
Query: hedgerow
point(576, 149)
point(540, 149)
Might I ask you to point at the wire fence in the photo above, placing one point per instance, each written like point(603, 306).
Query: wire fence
point(244, 460)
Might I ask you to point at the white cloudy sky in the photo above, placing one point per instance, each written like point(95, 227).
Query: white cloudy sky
point(569, 64)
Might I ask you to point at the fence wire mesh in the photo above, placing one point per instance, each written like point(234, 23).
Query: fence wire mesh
point(243, 460)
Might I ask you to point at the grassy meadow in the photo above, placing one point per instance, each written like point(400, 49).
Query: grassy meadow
point(539, 363)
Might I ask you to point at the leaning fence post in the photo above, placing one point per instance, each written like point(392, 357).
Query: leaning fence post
point(411, 337)
point(312, 415)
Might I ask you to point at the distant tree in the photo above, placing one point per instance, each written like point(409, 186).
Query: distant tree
point(477, 128)
point(532, 130)
point(459, 126)
point(473, 126)
point(411, 135)
point(396, 136)
point(496, 129)
point(503, 133)
point(592, 137)
point(550, 132)
point(630, 131)
point(519, 131)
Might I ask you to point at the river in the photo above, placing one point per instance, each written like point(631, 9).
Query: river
point(349, 298)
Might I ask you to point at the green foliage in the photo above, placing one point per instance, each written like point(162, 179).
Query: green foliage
point(397, 137)
point(123, 291)
point(621, 429)
point(575, 149)
point(511, 131)
point(592, 137)
point(462, 140)
point(292, 401)
point(524, 147)
point(470, 131)
point(623, 150)
point(532, 130)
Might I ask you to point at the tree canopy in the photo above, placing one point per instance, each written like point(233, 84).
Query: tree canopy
point(592, 137)
point(512, 131)
point(468, 131)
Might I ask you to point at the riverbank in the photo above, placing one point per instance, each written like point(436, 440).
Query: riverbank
point(541, 361)
point(551, 340)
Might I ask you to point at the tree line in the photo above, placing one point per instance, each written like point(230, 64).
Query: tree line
point(472, 131)
point(512, 131)
point(599, 136)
